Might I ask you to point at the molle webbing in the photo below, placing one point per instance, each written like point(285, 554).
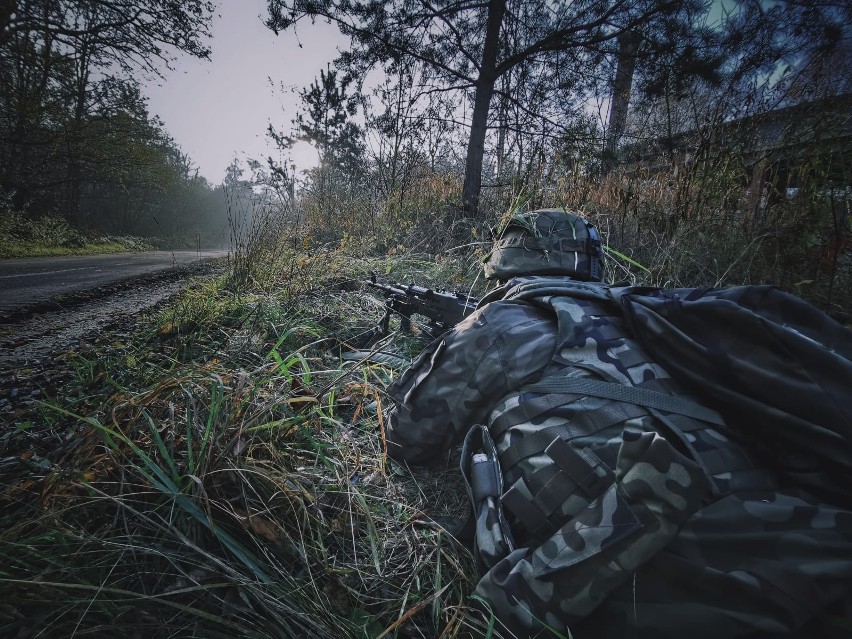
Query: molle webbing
point(528, 410)
point(577, 473)
point(633, 357)
point(519, 501)
point(582, 424)
point(581, 474)
point(583, 421)
point(628, 402)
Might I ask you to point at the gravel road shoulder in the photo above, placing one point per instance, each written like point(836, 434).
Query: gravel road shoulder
point(35, 342)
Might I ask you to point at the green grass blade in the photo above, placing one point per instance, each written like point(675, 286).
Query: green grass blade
point(627, 259)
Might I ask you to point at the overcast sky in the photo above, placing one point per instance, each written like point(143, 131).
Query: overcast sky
point(220, 109)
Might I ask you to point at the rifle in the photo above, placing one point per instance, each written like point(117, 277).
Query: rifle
point(444, 309)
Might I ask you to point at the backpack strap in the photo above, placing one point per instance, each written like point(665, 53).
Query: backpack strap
point(585, 422)
point(631, 394)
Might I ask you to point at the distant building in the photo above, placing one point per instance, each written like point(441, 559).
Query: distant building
point(775, 148)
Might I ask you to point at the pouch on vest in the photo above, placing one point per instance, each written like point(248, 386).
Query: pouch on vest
point(481, 470)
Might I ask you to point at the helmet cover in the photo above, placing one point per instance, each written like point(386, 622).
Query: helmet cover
point(546, 242)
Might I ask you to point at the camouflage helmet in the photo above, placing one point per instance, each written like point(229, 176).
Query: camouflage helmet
point(546, 242)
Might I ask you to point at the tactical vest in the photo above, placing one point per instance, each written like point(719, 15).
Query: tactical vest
point(557, 439)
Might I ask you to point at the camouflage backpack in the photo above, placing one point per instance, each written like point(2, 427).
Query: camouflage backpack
point(778, 369)
point(768, 376)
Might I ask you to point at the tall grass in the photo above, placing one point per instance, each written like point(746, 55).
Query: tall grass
point(709, 217)
point(700, 225)
point(234, 482)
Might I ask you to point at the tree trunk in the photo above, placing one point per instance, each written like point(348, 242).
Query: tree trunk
point(628, 44)
point(76, 136)
point(502, 124)
point(482, 100)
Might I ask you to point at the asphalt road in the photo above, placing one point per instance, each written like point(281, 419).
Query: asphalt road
point(30, 281)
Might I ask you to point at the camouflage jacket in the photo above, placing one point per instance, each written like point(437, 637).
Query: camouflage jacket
point(605, 516)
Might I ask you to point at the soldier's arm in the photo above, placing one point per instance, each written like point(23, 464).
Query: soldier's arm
point(456, 381)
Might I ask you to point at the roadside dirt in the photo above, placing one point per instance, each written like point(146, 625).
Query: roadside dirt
point(36, 342)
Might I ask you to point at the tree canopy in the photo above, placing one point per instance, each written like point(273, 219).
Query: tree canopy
point(468, 46)
point(76, 138)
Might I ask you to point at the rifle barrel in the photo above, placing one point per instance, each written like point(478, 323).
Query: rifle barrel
point(444, 308)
